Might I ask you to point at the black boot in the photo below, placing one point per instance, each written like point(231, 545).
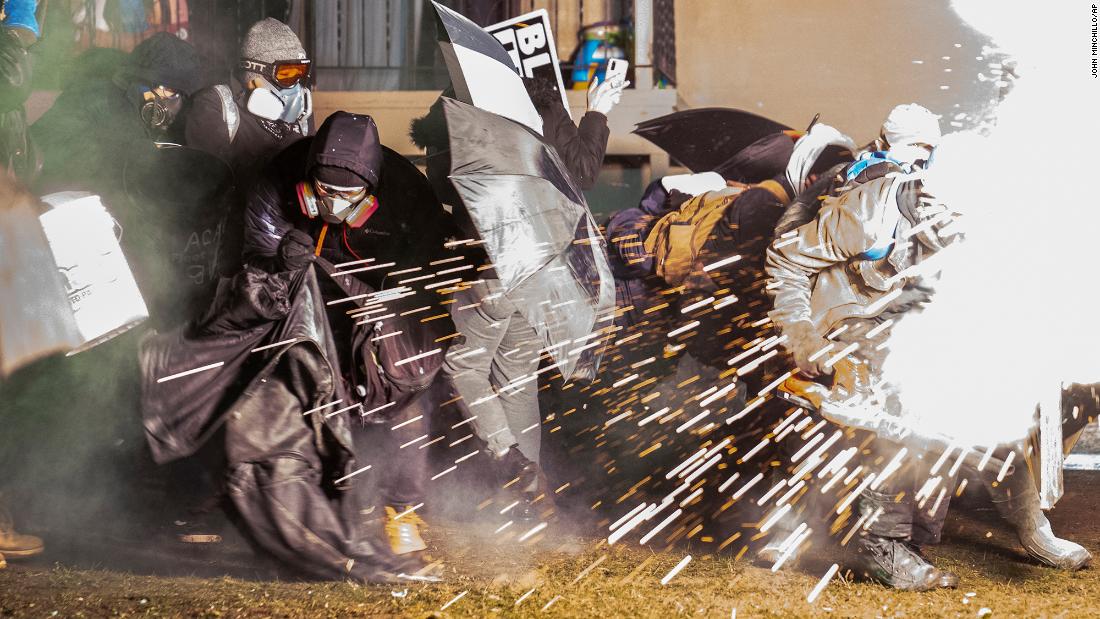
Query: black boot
point(517, 473)
point(1017, 502)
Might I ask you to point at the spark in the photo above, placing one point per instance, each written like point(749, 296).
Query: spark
point(435, 440)
point(455, 599)
point(378, 408)
point(755, 450)
point(468, 456)
point(190, 372)
point(276, 344)
point(342, 410)
point(676, 570)
point(653, 416)
point(322, 407)
point(407, 422)
point(352, 474)
point(588, 569)
point(551, 602)
point(628, 516)
point(409, 511)
point(821, 584)
point(657, 529)
point(684, 329)
point(418, 357)
point(367, 268)
point(438, 475)
point(690, 422)
point(525, 596)
point(533, 531)
point(721, 263)
point(1007, 464)
point(504, 526)
point(687, 309)
point(743, 489)
point(801, 534)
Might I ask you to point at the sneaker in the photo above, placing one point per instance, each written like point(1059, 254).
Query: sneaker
point(403, 531)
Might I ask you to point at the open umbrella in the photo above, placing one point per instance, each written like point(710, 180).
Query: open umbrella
point(481, 71)
point(710, 139)
point(536, 228)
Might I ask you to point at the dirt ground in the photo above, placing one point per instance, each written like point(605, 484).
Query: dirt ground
point(557, 574)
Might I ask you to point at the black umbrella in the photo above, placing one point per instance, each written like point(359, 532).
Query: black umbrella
point(535, 225)
point(481, 71)
point(710, 139)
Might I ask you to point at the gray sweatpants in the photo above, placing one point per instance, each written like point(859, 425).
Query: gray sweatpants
point(494, 371)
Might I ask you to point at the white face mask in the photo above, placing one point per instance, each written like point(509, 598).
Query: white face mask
point(290, 105)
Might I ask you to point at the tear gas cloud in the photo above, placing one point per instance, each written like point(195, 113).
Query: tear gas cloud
point(1015, 313)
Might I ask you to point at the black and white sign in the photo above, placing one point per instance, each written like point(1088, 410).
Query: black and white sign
point(529, 41)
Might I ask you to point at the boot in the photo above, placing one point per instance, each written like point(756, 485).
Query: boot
point(16, 545)
point(403, 532)
point(948, 579)
point(1017, 502)
point(517, 472)
point(893, 563)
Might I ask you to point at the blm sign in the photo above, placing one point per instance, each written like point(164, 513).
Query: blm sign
point(529, 41)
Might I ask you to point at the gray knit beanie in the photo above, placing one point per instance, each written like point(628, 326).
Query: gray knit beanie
point(270, 40)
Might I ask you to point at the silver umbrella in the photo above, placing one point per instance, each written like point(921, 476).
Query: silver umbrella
point(536, 228)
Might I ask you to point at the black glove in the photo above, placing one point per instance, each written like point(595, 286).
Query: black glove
point(295, 250)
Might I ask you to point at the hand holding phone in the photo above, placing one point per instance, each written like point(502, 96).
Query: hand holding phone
point(616, 72)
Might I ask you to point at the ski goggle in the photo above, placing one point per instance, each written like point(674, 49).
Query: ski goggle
point(351, 194)
point(282, 73)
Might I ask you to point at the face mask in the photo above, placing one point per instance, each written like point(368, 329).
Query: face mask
point(159, 111)
point(292, 105)
point(352, 208)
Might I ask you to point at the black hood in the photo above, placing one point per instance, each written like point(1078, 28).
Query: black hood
point(348, 141)
point(164, 59)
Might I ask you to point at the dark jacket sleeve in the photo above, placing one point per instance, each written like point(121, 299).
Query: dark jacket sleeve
point(265, 223)
point(206, 126)
point(581, 147)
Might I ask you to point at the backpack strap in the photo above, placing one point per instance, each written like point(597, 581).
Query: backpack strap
point(230, 114)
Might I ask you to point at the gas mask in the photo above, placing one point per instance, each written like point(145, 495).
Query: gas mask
point(161, 107)
point(333, 204)
point(280, 94)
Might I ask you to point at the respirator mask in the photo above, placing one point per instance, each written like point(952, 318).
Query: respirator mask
point(282, 94)
point(161, 107)
point(335, 204)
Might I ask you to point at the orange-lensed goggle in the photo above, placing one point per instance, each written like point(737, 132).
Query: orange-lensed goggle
point(282, 73)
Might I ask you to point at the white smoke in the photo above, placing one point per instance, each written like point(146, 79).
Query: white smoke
point(1018, 308)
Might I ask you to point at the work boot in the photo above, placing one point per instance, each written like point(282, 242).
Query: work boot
point(16, 545)
point(948, 579)
point(1017, 502)
point(517, 472)
point(893, 563)
point(403, 531)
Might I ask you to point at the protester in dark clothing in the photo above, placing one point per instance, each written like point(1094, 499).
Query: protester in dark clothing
point(225, 122)
point(344, 198)
point(83, 136)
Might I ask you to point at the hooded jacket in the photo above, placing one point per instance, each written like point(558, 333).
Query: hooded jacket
point(94, 121)
point(408, 229)
point(250, 146)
